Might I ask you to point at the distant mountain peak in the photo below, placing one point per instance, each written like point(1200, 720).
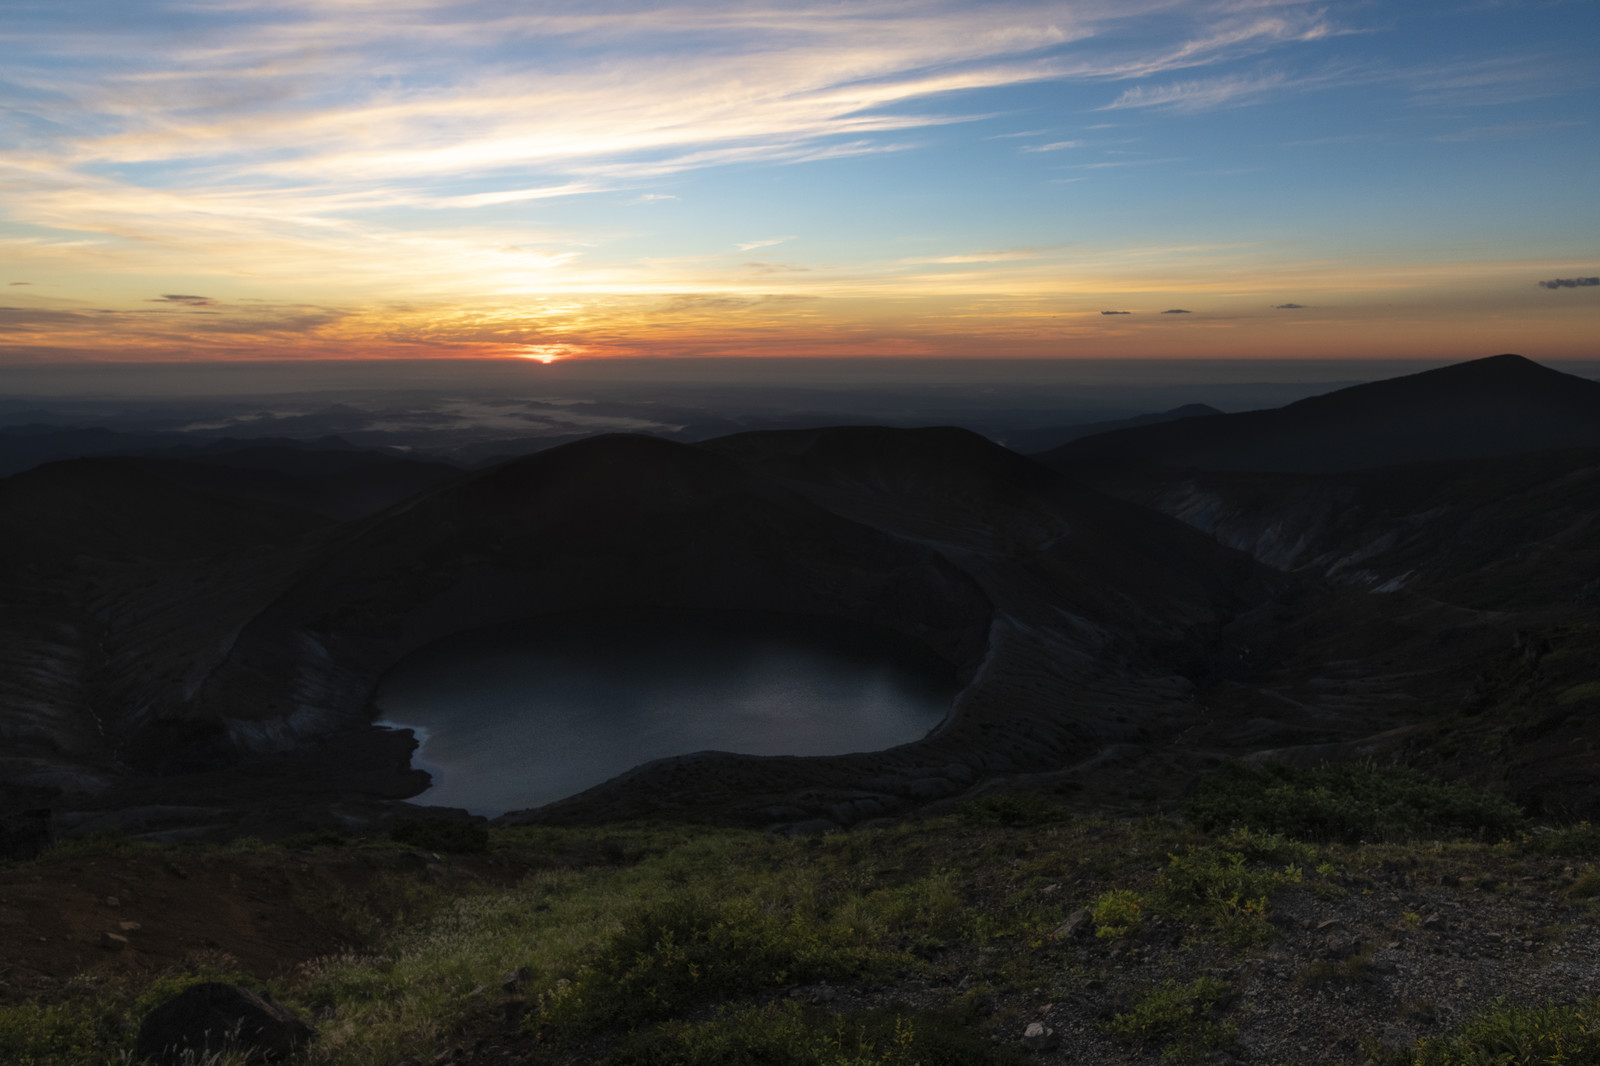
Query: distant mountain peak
point(1500, 405)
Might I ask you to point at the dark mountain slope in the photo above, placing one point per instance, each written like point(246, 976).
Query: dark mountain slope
point(1042, 439)
point(1006, 514)
point(107, 508)
point(1492, 533)
point(115, 586)
point(339, 485)
point(1497, 406)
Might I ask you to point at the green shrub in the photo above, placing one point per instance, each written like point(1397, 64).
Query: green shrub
point(1587, 885)
point(58, 1034)
point(96, 1021)
point(461, 837)
point(1118, 912)
point(1350, 803)
point(789, 1034)
point(1516, 1036)
point(692, 950)
point(1217, 887)
point(1013, 809)
point(321, 838)
point(1180, 1018)
point(1568, 841)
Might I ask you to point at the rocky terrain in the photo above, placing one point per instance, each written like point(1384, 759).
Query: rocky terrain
point(1354, 959)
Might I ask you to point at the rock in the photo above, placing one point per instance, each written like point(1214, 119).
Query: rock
point(1076, 924)
point(1037, 1038)
point(129, 927)
point(1435, 923)
point(1339, 947)
point(512, 982)
point(113, 901)
point(113, 941)
point(1397, 1038)
point(211, 1018)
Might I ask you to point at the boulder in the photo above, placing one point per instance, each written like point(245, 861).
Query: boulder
point(1077, 924)
point(211, 1018)
point(1038, 1037)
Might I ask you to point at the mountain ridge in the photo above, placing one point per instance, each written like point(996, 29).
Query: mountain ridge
point(1499, 405)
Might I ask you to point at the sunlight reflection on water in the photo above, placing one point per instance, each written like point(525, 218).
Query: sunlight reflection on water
point(519, 716)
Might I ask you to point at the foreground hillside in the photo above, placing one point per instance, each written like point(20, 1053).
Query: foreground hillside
point(1361, 914)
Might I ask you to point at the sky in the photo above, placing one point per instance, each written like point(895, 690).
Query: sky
point(315, 179)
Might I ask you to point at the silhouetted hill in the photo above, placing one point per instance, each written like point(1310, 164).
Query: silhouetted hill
point(1033, 441)
point(106, 507)
point(1497, 406)
point(335, 484)
point(25, 447)
point(1076, 546)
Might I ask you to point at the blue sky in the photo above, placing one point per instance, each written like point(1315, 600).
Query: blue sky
point(420, 178)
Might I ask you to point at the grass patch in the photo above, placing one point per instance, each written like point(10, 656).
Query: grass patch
point(1587, 885)
point(463, 838)
point(1568, 841)
point(1217, 887)
point(1119, 912)
point(1349, 803)
point(694, 950)
point(1013, 809)
point(789, 1034)
point(1183, 1020)
point(1544, 1035)
point(95, 1022)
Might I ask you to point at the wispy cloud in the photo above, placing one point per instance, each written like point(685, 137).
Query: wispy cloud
point(1569, 283)
point(1053, 146)
point(1008, 255)
point(284, 116)
point(1288, 307)
point(1509, 129)
point(1202, 94)
point(1495, 80)
point(750, 246)
point(1114, 163)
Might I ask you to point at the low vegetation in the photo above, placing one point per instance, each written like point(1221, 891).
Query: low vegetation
point(925, 942)
point(1350, 803)
point(1513, 1035)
